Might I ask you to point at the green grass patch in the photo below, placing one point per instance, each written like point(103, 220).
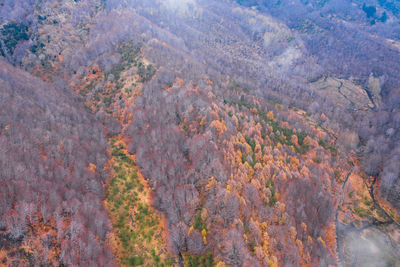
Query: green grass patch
point(199, 260)
point(251, 142)
point(317, 160)
point(135, 260)
point(362, 212)
point(329, 147)
point(198, 223)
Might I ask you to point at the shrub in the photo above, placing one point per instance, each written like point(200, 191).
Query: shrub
point(317, 160)
point(360, 211)
point(135, 260)
point(199, 260)
point(251, 142)
point(198, 223)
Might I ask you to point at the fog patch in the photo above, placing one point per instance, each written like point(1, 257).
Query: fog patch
point(287, 58)
point(372, 248)
point(185, 8)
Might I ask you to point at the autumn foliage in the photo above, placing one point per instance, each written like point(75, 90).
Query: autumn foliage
point(52, 157)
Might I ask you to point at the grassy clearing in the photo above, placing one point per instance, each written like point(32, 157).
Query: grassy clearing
point(138, 229)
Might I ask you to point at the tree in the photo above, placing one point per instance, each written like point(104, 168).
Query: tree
point(369, 10)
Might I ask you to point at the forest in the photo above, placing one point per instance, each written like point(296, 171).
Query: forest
point(200, 133)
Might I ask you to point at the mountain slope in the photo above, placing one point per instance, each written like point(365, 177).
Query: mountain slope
point(52, 157)
point(250, 136)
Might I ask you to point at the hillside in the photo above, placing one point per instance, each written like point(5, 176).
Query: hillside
point(48, 196)
point(199, 133)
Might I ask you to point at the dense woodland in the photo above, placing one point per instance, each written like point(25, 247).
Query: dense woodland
point(349, 50)
point(48, 197)
point(249, 161)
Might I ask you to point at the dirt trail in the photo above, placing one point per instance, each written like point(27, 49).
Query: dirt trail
point(345, 96)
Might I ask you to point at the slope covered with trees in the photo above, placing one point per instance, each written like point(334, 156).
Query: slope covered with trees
point(53, 154)
point(350, 39)
point(263, 136)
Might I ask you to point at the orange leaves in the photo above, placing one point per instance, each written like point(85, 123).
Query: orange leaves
point(256, 184)
point(273, 262)
point(220, 264)
point(61, 145)
point(285, 124)
point(92, 167)
point(266, 241)
point(320, 134)
point(281, 207)
point(180, 82)
point(294, 162)
point(190, 230)
point(267, 158)
point(245, 238)
point(204, 234)
point(257, 152)
point(305, 172)
point(278, 145)
point(220, 127)
point(214, 113)
point(308, 141)
point(238, 157)
point(270, 115)
point(321, 240)
point(293, 233)
point(7, 127)
point(330, 236)
point(43, 151)
point(3, 255)
point(264, 227)
point(241, 139)
point(250, 171)
point(211, 183)
point(202, 121)
point(228, 188)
